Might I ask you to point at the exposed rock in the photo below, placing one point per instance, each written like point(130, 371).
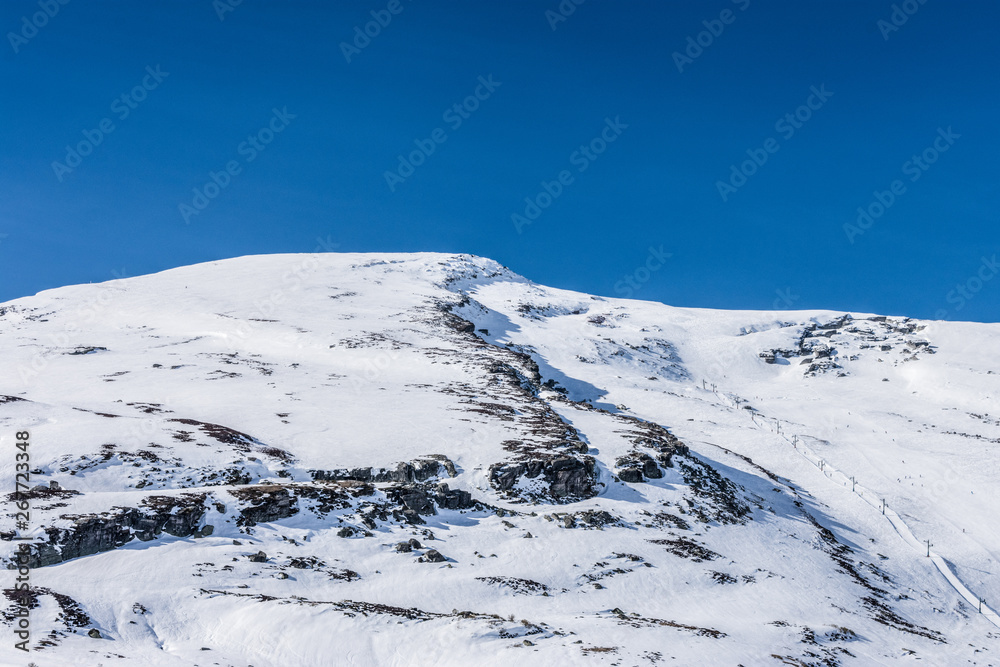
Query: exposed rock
point(635, 467)
point(408, 516)
point(820, 367)
point(517, 586)
point(771, 356)
point(453, 499)
point(327, 497)
point(413, 497)
point(409, 472)
point(259, 557)
point(456, 323)
point(666, 459)
point(419, 499)
point(630, 475)
point(651, 470)
point(596, 518)
point(267, 502)
point(687, 548)
point(94, 633)
point(95, 533)
point(88, 349)
point(434, 556)
point(42, 492)
point(568, 477)
point(720, 498)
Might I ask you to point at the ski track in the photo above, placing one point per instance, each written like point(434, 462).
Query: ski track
point(891, 515)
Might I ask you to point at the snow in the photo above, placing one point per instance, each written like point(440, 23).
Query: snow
point(340, 361)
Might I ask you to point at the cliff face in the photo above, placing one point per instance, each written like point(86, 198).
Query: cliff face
point(435, 452)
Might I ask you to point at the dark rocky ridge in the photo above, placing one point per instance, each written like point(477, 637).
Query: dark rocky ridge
point(90, 534)
point(552, 450)
point(182, 515)
point(815, 347)
point(639, 465)
point(409, 472)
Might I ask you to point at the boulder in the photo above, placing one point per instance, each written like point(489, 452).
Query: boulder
point(651, 470)
point(434, 556)
point(631, 475)
point(637, 466)
point(413, 497)
point(452, 499)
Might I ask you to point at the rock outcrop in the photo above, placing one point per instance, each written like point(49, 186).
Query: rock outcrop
point(93, 533)
point(417, 470)
point(568, 477)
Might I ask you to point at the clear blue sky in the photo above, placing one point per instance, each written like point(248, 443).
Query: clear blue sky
point(663, 178)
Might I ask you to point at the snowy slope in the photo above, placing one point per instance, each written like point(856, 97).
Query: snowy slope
point(606, 481)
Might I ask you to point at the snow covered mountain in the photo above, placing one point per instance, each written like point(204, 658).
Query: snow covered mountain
point(426, 459)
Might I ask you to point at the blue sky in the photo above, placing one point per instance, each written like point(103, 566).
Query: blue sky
point(709, 154)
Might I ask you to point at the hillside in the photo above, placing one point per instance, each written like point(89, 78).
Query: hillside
point(426, 459)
